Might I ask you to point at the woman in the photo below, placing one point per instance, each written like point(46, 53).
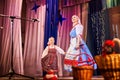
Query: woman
point(78, 53)
point(49, 57)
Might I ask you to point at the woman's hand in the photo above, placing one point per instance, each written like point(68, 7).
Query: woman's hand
point(77, 47)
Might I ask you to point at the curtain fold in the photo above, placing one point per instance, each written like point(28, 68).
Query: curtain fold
point(99, 31)
point(63, 38)
point(51, 24)
point(34, 38)
point(1, 23)
point(112, 3)
point(11, 8)
point(66, 3)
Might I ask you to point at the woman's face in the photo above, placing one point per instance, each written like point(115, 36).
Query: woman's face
point(74, 18)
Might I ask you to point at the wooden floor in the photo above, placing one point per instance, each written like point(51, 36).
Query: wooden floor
point(40, 78)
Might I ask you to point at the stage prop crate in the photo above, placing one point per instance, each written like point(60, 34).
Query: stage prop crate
point(109, 66)
point(82, 72)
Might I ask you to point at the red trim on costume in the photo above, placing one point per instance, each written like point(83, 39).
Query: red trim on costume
point(85, 61)
point(91, 63)
point(50, 72)
point(71, 62)
point(80, 58)
point(81, 35)
point(53, 78)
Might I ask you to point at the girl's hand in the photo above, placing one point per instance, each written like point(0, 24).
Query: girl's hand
point(65, 53)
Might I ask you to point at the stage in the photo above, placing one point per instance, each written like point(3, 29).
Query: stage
point(40, 78)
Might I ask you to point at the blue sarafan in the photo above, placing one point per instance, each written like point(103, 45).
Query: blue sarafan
point(78, 53)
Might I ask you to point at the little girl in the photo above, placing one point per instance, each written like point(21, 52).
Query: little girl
point(50, 59)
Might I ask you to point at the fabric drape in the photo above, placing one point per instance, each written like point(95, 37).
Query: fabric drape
point(112, 3)
point(1, 21)
point(99, 31)
point(64, 3)
point(34, 38)
point(11, 8)
point(63, 38)
point(51, 23)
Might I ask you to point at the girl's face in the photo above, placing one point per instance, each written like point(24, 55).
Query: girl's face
point(51, 41)
point(74, 18)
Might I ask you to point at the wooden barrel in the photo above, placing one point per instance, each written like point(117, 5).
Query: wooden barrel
point(82, 72)
point(109, 66)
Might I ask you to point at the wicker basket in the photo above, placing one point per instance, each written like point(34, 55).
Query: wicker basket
point(109, 66)
point(82, 72)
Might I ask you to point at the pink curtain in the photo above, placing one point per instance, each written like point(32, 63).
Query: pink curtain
point(34, 39)
point(64, 3)
point(1, 22)
point(72, 7)
point(11, 8)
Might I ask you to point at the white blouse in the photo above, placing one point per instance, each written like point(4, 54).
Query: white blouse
point(59, 50)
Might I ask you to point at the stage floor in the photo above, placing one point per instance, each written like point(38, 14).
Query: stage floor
point(40, 78)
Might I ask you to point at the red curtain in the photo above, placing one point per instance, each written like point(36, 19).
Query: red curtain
point(34, 38)
point(71, 7)
point(11, 8)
